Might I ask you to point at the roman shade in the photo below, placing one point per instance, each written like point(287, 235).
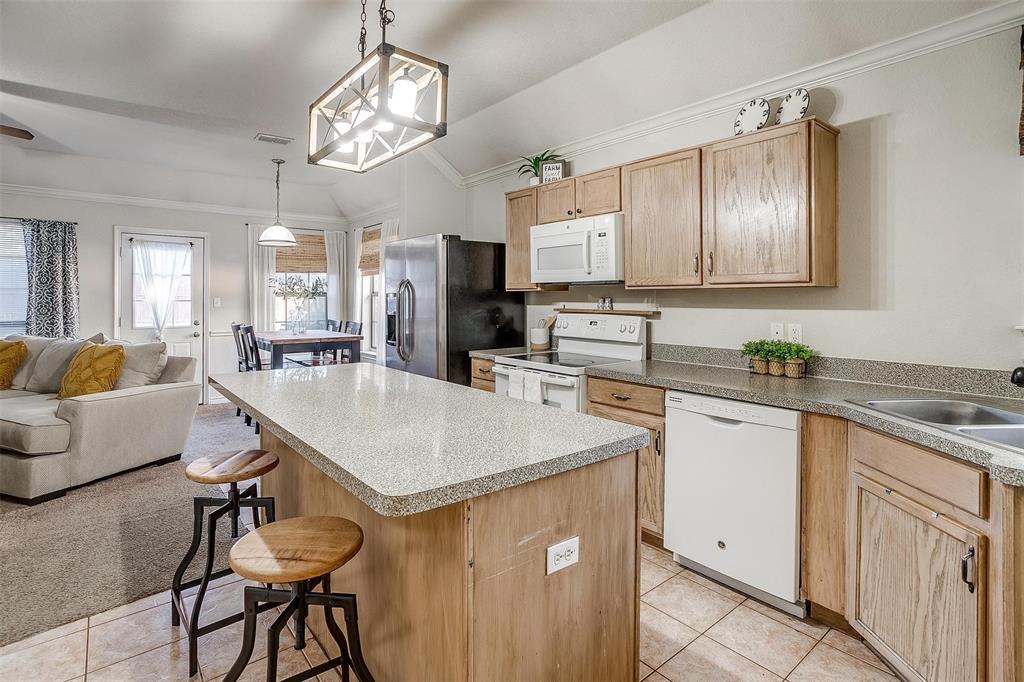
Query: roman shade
point(369, 252)
point(308, 255)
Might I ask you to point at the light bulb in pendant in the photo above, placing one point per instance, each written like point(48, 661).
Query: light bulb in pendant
point(340, 128)
point(403, 96)
point(366, 135)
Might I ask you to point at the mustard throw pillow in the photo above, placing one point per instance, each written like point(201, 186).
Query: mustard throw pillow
point(94, 369)
point(12, 354)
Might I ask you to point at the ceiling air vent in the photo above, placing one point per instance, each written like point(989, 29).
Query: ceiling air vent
point(276, 139)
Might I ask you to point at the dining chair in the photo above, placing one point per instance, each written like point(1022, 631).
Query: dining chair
point(239, 354)
point(333, 326)
point(351, 327)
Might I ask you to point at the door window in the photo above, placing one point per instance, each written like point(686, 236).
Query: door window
point(180, 311)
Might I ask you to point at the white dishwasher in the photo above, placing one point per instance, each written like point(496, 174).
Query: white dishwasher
point(732, 494)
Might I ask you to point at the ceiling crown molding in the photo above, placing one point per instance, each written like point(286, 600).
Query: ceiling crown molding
point(148, 202)
point(964, 29)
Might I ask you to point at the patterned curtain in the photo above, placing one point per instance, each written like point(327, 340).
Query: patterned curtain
point(51, 252)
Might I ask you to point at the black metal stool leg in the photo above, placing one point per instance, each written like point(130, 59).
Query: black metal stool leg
point(233, 496)
point(199, 504)
point(332, 627)
point(193, 627)
point(248, 635)
point(257, 503)
point(299, 590)
point(355, 649)
point(274, 638)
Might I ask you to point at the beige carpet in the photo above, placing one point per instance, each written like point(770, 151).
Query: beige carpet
point(108, 543)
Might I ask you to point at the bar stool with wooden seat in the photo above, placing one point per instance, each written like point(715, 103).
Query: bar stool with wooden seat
point(227, 467)
point(301, 552)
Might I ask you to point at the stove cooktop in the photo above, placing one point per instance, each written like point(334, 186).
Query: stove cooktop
point(556, 359)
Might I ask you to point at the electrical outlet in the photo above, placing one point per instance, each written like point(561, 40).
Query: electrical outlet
point(778, 331)
point(795, 332)
point(564, 554)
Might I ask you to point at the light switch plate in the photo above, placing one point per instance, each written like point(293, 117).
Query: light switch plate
point(778, 331)
point(795, 332)
point(564, 554)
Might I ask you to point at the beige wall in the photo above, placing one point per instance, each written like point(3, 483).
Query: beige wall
point(931, 237)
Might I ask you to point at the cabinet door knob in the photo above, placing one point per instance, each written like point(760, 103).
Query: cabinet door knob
point(568, 212)
point(579, 210)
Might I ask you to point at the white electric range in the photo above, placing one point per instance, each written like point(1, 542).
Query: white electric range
point(557, 377)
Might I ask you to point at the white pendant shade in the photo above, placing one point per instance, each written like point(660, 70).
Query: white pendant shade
point(403, 96)
point(276, 235)
point(340, 128)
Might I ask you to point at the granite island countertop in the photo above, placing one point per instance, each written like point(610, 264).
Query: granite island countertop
point(405, 444)
point(829, 396)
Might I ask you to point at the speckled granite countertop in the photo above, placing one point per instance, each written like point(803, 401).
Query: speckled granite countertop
point(828, 396)
point(405, 444)
point(492, 353)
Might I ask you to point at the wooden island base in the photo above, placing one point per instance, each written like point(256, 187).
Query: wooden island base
point(459, 593)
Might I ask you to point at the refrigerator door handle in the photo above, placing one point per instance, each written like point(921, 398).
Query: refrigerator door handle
point(406, 298)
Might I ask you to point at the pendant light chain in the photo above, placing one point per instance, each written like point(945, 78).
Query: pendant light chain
point(277, 183)
point(362, 31)
point(386, 17)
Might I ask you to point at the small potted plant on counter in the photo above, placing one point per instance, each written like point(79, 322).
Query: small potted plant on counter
point(797, 355)
point(532, 165)
point(757, 352)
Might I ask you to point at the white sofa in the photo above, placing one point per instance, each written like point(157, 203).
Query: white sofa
point(48, 446)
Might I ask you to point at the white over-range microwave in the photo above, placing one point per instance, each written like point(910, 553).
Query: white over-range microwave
point(580, 250)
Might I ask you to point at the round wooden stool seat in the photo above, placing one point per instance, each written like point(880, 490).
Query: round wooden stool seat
point(296, 549)
point(231, 466)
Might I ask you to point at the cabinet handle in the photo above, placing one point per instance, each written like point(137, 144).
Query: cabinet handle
point(657, 443)
point(579, 210)
point(711, 262)
point(696, 264)
point(965, 563)
point(621, 396)
point(485, 370)
point(569, 213)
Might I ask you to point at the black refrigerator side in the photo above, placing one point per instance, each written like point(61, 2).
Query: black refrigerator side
point(481, 314)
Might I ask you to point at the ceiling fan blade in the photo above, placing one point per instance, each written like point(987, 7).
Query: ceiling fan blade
point(20, 133)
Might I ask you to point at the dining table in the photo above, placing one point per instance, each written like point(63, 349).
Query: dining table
point(281, 343)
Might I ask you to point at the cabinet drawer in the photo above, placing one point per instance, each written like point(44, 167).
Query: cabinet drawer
point(481, 369)
point(959, 484)
point(482, 384)
point(629, 396)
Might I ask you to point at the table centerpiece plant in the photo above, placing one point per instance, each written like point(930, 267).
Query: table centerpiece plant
point(294, 287)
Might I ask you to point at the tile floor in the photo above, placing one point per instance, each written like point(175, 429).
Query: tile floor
point(691, 628)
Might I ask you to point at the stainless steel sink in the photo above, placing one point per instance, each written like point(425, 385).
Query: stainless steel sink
point(947, 412)
point(974, 420)
point(1011, 436)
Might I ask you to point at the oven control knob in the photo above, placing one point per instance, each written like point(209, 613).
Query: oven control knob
point(622, 328)
point(632, 328)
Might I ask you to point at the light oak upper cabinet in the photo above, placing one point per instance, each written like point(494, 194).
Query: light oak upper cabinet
point(587, 195)
point(917, 585)
point(770, 207)
point(556, 201)
point(520, 216)
point(661, 201)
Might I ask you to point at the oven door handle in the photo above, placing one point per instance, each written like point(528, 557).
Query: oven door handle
point(497, 369)
point(548, 379)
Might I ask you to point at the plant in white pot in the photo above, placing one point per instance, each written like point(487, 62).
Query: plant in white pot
point(532, 165)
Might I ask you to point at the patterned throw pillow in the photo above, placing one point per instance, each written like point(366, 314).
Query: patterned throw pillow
point(94, 369)
point(12, 354)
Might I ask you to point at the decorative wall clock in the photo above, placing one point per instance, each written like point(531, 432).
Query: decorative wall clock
point(793, 106)
point(752, 116)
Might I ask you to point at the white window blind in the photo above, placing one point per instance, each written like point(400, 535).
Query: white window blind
point(13, 278)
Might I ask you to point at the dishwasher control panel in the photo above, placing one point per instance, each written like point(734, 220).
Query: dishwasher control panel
point(732, 410)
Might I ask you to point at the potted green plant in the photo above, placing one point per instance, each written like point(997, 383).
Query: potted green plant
point(797, 355)
point(532, 165)
point(757, 352)
point(297, 288)
point(775, 351)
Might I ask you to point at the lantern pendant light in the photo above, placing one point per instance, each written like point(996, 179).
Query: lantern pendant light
point(277, 234)
point(390, 103)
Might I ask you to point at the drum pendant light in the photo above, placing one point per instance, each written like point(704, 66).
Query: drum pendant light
point(277, 234)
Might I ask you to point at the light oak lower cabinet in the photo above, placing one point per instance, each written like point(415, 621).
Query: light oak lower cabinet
point(917, 587)
point(651, 460)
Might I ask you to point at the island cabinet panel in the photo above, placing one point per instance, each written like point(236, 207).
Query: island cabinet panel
point(825, 484)
point(918, 587)
point(408, 632)
point(580, 623)
point(520, 216)
point(650, 466)
point(556, 200)
point(460, 593)
point(661, 201)
point(598, 193)
point(770, 207)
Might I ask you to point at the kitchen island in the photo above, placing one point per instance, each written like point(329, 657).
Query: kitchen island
point(460, 494)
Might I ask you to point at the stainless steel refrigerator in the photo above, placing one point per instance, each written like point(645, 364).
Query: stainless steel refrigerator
point(444, 297)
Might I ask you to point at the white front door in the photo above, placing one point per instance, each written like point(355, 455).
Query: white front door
point(184, 330)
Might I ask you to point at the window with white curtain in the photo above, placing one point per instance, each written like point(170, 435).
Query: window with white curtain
point(13, 278)
point(180, 314)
